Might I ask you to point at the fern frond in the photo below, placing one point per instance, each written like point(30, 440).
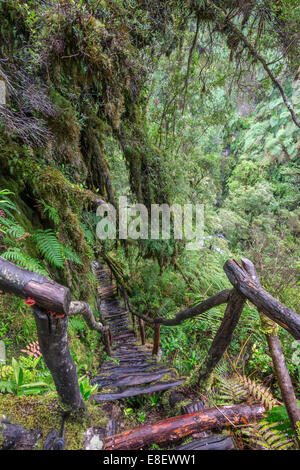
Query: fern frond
point(237, 389)
point(51, 212)
point(70, 255)
point(260, 393)
point(6, 203)
point(266, 436)
point(11, 228)
point(23, 260)
point(49, 246)
point(232, 391)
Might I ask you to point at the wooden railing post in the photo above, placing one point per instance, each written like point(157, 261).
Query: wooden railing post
point(107, 341)
point(142, 331)
point(54, 346)
point(223, 337)
point(156, 337)
point(270, 329)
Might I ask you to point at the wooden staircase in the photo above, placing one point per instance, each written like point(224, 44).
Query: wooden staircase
point(131, 370)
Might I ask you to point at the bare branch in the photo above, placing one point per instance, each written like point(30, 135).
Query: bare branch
point(82, 308)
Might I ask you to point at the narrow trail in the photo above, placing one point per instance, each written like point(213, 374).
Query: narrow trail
point(132, 369)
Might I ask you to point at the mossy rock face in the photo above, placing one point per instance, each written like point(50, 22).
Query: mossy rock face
point(43, 414)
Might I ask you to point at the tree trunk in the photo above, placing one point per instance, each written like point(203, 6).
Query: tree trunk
point(179, 427)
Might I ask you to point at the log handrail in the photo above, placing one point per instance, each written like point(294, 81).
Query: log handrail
point(246, 285)
point(264, 302)
point(52, 307)
point(53, 303)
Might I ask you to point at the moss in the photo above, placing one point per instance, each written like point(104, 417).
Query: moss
point(268, 327)
point(45, 414)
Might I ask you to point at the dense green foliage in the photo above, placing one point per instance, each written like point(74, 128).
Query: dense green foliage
point(164, 102)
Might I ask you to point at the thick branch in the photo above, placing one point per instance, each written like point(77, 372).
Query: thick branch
point(284, 380)
point(217, 299)
point(53, 341)
point(23, 283)
point(280, 367)
point(264, 302)
point(224, 334)
point(82, 308)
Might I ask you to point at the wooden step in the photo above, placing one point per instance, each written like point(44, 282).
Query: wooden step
point(133, 391)
point(193, 407)
point(130, 380)
point(214, 442)
point(127, 335)
point(133, 355)
point(116, 314)
point(125, 372)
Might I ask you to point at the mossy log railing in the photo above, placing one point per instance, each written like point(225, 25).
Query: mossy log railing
point(246, 285)
point(52, 307)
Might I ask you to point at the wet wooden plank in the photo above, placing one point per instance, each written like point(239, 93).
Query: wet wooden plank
point(133, 391)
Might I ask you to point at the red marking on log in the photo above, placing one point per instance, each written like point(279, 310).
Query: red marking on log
point(29, 301)
point(56, 315)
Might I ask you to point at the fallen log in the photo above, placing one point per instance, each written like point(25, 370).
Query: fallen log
point(22, 283)
point(265, 303)
point(15, 437)
point(179, 427)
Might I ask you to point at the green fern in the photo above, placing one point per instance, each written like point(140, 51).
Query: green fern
point(51, 212)
point(70, 255)
point(49, 246)
point(238, 389)
point(266, 436)
point(5, 202)
point(260, 393)
point(280, 417)
point(11, 228)
point(23, 260)
point(231, 391)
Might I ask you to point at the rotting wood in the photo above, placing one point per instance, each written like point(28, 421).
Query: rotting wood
point(178, 427)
